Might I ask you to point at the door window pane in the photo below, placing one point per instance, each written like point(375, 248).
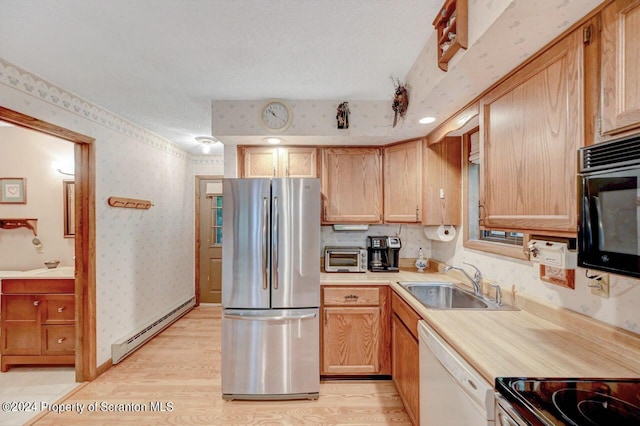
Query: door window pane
point(216, 220)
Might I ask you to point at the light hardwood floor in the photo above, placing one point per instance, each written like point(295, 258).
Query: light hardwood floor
point(181, 367)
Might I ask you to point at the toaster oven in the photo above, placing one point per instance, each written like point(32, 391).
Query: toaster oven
point(345, 259)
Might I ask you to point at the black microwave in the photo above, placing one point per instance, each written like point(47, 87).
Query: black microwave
point(609, 220)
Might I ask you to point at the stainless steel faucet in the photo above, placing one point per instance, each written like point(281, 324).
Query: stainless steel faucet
point(475, 280)
point(498, 293)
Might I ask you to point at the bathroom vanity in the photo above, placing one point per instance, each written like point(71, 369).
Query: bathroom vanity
point(38, 318)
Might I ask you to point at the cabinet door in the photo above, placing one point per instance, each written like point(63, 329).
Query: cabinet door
point(620, 66)
point(533, 125)
point(405, 367)
point(351, 340)
point(260, 162)
point(299, 162)
point(403, 182)
point(442, 163)
point(352, 185)
point(20, 325)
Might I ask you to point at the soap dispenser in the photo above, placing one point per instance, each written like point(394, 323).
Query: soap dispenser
point(421, 262)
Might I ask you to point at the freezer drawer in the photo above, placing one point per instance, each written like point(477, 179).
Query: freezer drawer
point(270, 354)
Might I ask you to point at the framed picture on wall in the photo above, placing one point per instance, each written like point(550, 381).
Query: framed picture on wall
point(13, 190)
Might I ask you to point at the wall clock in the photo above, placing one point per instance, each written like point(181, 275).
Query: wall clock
point(276, 115)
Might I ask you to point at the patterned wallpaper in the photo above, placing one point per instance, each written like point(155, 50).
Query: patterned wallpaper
point(145, 263)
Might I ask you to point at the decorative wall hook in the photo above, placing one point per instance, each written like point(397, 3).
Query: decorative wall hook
point(131, 203)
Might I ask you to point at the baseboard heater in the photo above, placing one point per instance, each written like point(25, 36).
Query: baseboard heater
point(125, 346)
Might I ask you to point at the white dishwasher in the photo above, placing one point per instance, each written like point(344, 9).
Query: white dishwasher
point(452, 393)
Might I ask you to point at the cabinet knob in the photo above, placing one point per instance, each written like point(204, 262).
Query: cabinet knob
point(36, 302)
point(351, 297)
point(60, 309)
point(60, 340)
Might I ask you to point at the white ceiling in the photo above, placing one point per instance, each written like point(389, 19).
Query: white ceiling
point(161, 63)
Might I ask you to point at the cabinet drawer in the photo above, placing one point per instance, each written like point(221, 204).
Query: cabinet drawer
point(351, 296)
point(58, 339)
point(59, 309)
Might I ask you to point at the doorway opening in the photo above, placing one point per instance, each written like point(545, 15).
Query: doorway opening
point(84, 228)
point(208, 231)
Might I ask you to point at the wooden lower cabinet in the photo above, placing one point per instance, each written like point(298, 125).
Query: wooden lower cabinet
point(355, 337)
point(405, 356)
point(38, 322)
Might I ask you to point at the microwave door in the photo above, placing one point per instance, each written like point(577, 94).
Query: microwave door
point(601, 236)
point(588, 229)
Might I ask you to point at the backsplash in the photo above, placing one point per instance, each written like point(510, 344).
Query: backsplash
point(620, 309)
point(411, 236)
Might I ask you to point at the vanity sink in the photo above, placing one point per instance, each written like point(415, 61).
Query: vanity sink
point(446, 295)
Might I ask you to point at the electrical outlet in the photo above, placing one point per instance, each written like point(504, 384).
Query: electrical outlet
point(600, 287)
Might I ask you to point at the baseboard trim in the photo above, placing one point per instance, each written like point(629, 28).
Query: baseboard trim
point(104, 367)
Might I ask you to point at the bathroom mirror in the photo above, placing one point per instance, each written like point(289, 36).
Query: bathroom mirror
point(69, 210)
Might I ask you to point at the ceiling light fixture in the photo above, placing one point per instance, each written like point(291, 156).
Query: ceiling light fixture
point(272, 140)
point(206, 142)
point(427, 120)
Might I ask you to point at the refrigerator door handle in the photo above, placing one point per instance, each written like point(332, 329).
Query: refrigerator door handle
point(261, 317)
point(274, 242)
point(265, 220)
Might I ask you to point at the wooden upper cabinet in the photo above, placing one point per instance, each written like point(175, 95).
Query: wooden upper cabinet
point(352, 185)
point(299, 162)
point(260, 162)
point(442, 184)
point(403, 182)
point(620, 87)
point(532, 126)
point(265, 162)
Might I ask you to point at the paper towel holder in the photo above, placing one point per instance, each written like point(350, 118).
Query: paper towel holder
point(444, 233)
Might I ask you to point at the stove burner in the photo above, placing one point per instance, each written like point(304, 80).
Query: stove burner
point(596, 408)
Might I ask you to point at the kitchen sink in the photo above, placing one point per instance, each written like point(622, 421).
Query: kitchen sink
point(446, 295)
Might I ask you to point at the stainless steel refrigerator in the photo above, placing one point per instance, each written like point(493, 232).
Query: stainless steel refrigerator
point(271, 288)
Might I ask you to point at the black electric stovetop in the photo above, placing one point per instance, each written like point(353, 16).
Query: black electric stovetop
point(574, 402)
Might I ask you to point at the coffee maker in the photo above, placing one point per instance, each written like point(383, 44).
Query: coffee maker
point(383, 253)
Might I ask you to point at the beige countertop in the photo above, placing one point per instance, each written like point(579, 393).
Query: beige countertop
point(61, 272)
point(539, 340)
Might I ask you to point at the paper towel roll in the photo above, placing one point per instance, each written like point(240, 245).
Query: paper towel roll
point(440, 233)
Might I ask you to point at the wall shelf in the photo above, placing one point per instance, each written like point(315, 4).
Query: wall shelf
point(451, 26)
point(20, 223)
point(129, 203)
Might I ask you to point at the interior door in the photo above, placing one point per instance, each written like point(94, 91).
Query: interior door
point(210, 241)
